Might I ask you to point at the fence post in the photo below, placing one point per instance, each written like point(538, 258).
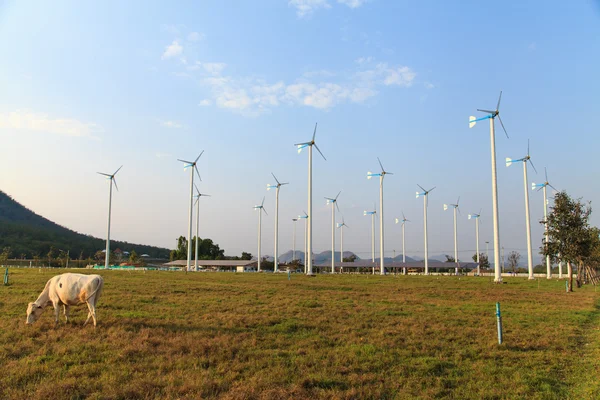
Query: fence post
point(6, 277)
point(499, 318)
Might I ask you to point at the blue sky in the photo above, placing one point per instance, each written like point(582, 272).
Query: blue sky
point(89, 87)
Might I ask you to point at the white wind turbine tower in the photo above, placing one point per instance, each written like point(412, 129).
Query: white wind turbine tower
point(381, 175)
point(305, 218)
point(404, 221)
point(425, 194)
point(276, 187)
point(455, 207)
point(300, 146)
point(334, 205)
point(476, 218)
point(192, 166)
point(542, 186)
point(260, 208)
point(198, 225)
point(112, 180)
point(509, 162)
point(341, 226)
point(372, 214)
point(472, 121)
point(294, 240)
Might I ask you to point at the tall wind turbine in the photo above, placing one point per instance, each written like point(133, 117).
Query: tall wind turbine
point(455, 207)
point(404, 221)
point(334, 205)
point(476, 218)
point(509, 162)
point(472, 121)
point(372, 214)
point(294, 240)
point(192, 166)
point(542, 186)
point(276, 187)
point(260, 208)
point(341, 226)
point(425, 194)
point(305, 218)
point(310, 214)
point(112, 180)
point(198, 224)
point(381, 175)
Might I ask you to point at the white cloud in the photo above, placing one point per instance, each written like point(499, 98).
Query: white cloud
point(195, 36)
point(401, 76)
point(172, 50)
point(429, 85)
point(307, 7)
point(363, 60)
point(352, 3)
point(171, 124)
point(205, 103)
point(30, 121)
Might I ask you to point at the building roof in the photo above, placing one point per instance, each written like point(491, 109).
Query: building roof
point(412, 264)
point(212, 263)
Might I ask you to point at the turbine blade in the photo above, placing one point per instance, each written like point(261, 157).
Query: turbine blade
point(338, 195)
point(101, 173)
point(315, 132)
point(263, 202)
point(184, 161)
point(421, 187)
point(381, 165)
point(284, 183)
point(527, 147)
point(487, 111)
point(553, 188)
point(317, 147)
point(197, 158)
point(118, 170)
point(198, 172)
point(115, 181)
point(275, 178)
point(458, 201)
point(499, 98)
point(531, 162)
point(262, 208)
point(197, 190)
point(506, 133)
point(472, 121)
point(508, 161)
point(336, 206)
point(431, 189)
point(546, 173)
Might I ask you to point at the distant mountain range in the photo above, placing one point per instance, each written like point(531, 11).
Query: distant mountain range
point(29, 234)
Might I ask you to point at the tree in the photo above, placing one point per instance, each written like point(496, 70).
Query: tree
point(352, 258)
point(5, 255)
point(513, 260)
point(246, 256)
point(133, 257)
point(484, 263)
point(570, 237)
point(449, 258)
point(50, 256)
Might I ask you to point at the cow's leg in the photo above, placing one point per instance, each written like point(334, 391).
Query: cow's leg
point(92, 313)
point(66, 310)
point(56, 312)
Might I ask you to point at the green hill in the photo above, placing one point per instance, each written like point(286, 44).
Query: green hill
point(29, 234)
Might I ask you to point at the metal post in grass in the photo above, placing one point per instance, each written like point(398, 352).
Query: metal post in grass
point(289, 275)
point(6, 277)
point(499, 319)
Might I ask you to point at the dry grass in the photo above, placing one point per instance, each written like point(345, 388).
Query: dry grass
point(242, 336)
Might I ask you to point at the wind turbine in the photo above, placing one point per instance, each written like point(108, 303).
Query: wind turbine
point(381, 175)
point(334, 205)
point(294, 240)
point(425, 194)
point(472, 121)
point(260, 208)
point(198, 224)
point(404, 221)
point(305, 218)
point(341, 226)
point(455, 207)
point(476, 218)
point(192, 166)
point(372, 214)
point(542, 186)
point(276, 187)
point(509, 162)
point(310, 214)
point(112, 180)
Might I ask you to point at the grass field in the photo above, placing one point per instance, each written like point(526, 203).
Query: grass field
point(242, 336)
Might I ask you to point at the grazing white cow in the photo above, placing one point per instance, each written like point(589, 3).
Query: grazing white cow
point(67, 290)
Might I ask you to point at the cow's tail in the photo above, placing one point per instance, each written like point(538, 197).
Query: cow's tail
point(98, 290)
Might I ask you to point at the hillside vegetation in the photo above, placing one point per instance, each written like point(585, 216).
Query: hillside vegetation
point(31, 235)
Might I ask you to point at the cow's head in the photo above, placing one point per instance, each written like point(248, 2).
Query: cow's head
point(33, 313)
